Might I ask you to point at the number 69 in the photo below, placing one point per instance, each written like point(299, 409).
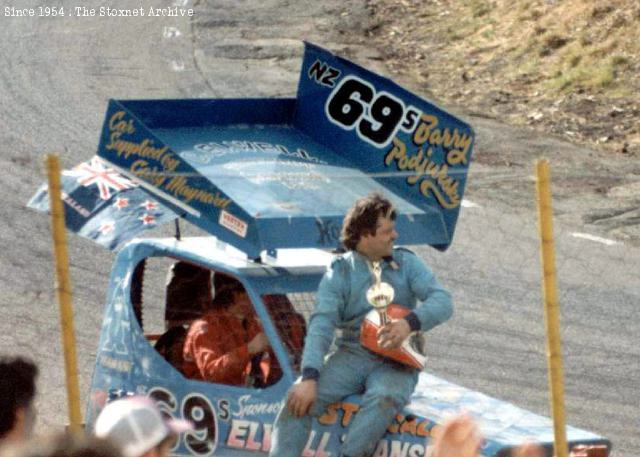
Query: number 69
point(354, 103)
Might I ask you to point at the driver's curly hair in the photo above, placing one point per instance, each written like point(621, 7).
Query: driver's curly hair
point(362, 218)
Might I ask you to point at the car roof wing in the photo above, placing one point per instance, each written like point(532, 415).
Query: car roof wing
point(263, 174)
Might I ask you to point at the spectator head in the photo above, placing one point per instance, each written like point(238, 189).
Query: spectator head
point(137, 427)
point(362, 219)
point(17, 392)
point(64, 445)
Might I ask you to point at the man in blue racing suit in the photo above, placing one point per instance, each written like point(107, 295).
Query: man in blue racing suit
point(368, 233)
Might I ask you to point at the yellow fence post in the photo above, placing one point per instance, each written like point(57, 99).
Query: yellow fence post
point(551, 307)
point(63, 289)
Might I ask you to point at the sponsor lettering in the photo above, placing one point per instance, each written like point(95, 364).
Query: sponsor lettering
point(405, 436)
point(256, 436)
point(250, 435)
point(180, 188)
point(123, 366)
point(245, 408)
point(395, 448)
point(206, 152)
point(323, 73)
point(345, 412)
point(73, 204)
point(156, 165)
point(233, 223)
point(432, 176)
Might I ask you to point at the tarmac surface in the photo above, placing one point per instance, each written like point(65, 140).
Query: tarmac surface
point(57, 75)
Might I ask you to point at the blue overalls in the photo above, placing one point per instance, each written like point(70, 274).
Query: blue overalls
point(386, 386)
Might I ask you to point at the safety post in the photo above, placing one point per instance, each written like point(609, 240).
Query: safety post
point(63, 289)
point(551, 307)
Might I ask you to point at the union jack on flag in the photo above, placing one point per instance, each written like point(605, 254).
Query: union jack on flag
point(95, 172)
point(103, 205)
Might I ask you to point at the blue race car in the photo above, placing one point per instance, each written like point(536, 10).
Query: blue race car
point(268, 181)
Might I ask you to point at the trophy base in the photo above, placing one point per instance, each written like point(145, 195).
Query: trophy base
point(412, 350)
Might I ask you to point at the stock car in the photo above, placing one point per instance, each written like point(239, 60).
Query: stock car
point(268, 181)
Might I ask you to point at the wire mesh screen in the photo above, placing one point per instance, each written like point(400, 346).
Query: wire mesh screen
point(303, 303)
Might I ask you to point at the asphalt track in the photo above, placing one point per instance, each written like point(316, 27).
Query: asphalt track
point(59, 72)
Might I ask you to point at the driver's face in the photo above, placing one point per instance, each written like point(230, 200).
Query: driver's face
point(380, 244)
point(241, 300)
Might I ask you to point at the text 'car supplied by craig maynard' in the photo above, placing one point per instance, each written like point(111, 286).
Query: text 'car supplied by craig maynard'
point(98, 11)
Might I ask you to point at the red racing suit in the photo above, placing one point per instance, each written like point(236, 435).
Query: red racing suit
point(216, 348)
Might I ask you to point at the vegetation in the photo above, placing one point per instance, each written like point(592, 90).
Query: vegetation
point(511, 58)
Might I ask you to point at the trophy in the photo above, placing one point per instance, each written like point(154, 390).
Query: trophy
point(380, 295)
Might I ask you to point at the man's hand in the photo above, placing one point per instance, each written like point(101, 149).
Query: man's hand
point(393, 334)
point(259, 343)
point(301, 397)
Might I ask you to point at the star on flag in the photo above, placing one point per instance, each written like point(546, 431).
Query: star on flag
point(147, 219)
point(149, 205)
point(106, 227)
point(121, 202)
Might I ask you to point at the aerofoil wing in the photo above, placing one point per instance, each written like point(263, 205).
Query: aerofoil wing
point(263, 174)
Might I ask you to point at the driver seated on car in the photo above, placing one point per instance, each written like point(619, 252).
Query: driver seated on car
point(227, 344)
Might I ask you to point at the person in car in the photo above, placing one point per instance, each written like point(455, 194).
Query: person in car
point(227, 344)
point(188, 297)
point(368, 233)
point(188, 293)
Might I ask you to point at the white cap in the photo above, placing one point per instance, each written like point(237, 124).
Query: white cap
point(136, 425)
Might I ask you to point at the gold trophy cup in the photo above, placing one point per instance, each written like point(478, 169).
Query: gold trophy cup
point(380, 295)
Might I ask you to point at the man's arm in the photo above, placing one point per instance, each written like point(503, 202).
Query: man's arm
point(434, 302)
point(322, 324)
point(213, 362)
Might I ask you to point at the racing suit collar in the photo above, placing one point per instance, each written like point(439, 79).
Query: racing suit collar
point(389, 261)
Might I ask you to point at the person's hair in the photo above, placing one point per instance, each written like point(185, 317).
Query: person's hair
point(64, 445)
point(224, 287)
point(17, 389)
point(188, 292)
point(362, 218)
